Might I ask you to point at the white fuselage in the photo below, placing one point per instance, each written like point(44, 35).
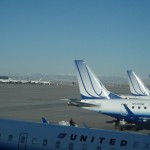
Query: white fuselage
point(20, 135)
point(115, 108)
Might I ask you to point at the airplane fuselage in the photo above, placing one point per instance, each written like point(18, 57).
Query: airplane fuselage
point(20, 135)
point(115, 108)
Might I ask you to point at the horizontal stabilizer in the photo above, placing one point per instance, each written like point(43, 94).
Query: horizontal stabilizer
point(80, 103)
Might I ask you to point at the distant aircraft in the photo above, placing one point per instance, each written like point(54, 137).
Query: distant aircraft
point(34, 81)
point(14, 81)
point(40, 81)
point(4, 80)
point(21, 135)
point(137, 87)
point(97, 99)
point(10, 80)
point(45, 82)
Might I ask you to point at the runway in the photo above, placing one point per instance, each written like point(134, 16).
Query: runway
point(31, 102)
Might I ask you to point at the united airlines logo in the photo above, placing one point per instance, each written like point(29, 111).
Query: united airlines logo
point(61, 135)
point(114, 143)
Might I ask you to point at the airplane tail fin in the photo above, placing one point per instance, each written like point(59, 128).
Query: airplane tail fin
point(137, 87)
point(89, 84)
point(39, 80)
point(44, 120)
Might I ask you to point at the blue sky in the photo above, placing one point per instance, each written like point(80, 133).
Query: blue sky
point(45, 36)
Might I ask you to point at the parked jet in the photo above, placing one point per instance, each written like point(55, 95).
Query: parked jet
point(45, 82)
point(5, 80)
point(35, 81)
point(10, 80)
point(137, 87)
point(93, 99)
point(20, 135)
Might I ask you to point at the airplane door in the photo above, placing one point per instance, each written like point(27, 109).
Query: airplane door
point(22, 141)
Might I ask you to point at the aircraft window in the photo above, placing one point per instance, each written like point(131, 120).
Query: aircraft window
point(132, 107)
point(70, 146)
point(139, 107)
point(45, 141)
point(145, 107)
point(84, 147)
point(10, 137)
point(34, 141)
point(57, 144)
point(98, 148)
point(22, 139)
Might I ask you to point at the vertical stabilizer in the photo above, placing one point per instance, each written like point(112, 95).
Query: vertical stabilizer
point(137, 87)
point(89, 84)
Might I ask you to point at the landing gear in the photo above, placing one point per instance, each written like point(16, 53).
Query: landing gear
point(116, 123)
point(123, 125)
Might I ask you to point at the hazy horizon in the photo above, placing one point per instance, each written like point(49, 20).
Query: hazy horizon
point(108, 80)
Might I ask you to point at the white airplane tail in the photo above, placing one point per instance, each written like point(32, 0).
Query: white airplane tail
point(137, 87)
point(89, 85)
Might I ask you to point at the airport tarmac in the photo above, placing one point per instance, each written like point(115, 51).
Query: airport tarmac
point(31, 102)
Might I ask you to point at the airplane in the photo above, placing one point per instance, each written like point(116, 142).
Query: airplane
point(14, 81)
point(97, 99)
point(24, 135)
point(137, 87)
point(40, 81)
point(4, 80)
point(45, 82)
point(34, 81)
point(10, 80)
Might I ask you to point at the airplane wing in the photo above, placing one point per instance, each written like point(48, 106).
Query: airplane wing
point(131, 114)
point(129, 111)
